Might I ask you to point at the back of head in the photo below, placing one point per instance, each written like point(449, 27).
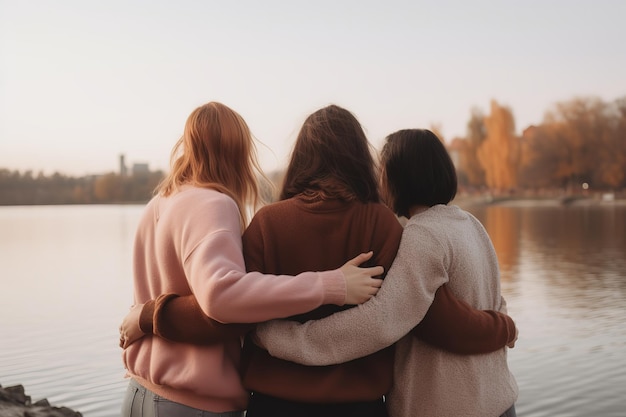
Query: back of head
point(216, 151)
point(416, 171)
point(331, 159)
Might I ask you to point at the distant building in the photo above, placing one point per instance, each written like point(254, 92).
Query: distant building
point(123, 169)
point(137, 168)
point(141, 169)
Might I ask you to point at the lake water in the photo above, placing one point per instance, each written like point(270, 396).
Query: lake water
point(65, 275)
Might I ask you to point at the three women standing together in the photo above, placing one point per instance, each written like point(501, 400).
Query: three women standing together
point(190, 281)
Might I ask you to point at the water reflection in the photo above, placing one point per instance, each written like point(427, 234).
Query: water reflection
point(564, 277)
point(585, 245)
point(503, 226)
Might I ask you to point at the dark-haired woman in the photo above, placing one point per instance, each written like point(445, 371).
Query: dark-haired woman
point(441, 244)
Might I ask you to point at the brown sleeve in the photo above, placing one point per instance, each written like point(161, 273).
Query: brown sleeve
point(180, 319)
point(455, 326)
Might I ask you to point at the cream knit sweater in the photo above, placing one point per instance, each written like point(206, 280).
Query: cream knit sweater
point(442, 244)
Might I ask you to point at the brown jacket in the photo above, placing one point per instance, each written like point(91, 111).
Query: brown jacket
point(299, 235)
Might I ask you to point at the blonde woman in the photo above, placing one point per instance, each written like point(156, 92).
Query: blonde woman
point(188, 241)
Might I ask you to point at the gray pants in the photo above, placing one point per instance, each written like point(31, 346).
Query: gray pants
point(510, 412)
point(141, 402)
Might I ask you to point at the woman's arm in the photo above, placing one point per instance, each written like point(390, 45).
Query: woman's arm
point(178, 319)
point(181, 318)
point(401, 304)
point(455, 326)
point(215, 269)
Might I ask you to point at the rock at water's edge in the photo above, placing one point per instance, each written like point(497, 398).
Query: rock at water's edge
point(15, 403)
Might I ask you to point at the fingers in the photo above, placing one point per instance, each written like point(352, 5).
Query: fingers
point(372, 289)
point(360, 258)
point(374, 271)
point(124, 340)
point(375, 286)
point(360, 282)
point(375, 283)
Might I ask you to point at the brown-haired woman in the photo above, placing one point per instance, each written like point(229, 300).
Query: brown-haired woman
point(188, 242)
point(441, 244)
point(329, 209)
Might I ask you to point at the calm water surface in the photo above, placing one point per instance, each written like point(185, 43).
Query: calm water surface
point(65, 274)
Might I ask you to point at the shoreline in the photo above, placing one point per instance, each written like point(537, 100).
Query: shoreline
point(604, 200)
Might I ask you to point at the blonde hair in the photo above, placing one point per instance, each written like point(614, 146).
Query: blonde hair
point(216, 151)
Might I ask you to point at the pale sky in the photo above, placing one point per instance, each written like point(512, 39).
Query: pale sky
point(83, 81)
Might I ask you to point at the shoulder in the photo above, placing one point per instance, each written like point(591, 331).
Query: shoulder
point(196, 199)
point(439, 217)
point(281, 205)
point(451, 221)
point(429, 228)
point(273, 211)
point(384, 217)
point(203, 207)
point(198, 195)
point(377, 211)
point(474, 220)
point(268, 218)
point(381, 209)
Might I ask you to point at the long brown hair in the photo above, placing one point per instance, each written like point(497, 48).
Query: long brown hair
point(331, 159)
point(216, 151)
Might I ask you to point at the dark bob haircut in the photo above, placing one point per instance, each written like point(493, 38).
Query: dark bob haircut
point(416, 171)
point(332, 159)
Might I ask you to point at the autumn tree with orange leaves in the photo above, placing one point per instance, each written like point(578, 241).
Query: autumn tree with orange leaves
point(581, 141)
point(469, 166)
point(499, 154)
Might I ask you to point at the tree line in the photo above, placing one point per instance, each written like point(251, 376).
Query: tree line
point(17, 188)
point(580, 144)
point(24, 188)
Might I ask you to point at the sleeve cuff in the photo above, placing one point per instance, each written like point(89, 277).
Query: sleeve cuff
point(510, 328)
point(145, 318)
point(335, 289)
